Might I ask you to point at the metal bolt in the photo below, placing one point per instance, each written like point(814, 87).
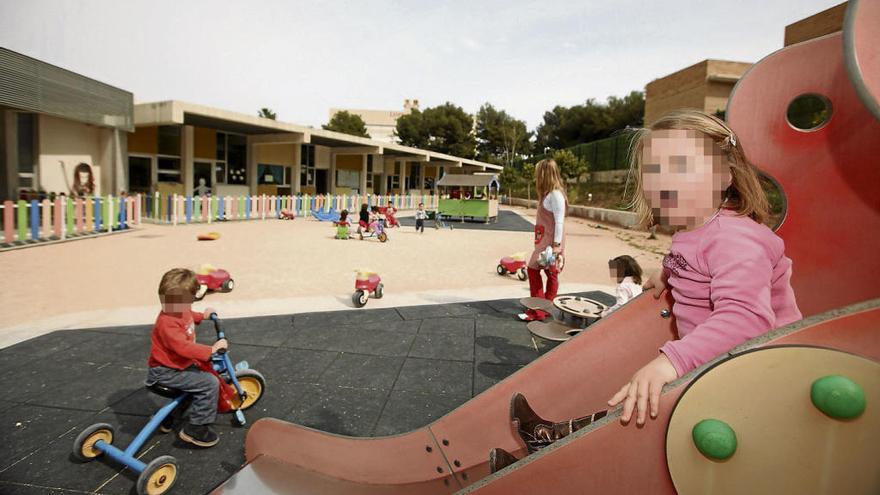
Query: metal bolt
point(665, 313)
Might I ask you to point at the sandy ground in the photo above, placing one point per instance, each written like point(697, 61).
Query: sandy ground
point(285, 267)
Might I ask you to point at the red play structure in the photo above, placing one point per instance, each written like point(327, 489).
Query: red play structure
point(831, 182)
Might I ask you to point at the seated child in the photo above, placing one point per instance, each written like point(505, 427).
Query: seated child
point(628, 274)
point(177, 361)
point(363, 221)
point(342, 225)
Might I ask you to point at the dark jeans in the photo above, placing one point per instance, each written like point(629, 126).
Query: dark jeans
point(420, 224)
point(202, 386)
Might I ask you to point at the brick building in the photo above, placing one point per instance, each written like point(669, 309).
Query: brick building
point(704, 85)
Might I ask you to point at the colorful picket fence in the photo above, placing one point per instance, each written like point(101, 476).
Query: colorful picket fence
point(176, 209)
point(32, 221)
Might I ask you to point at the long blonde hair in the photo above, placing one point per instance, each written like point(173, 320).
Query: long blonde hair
point(745, 195)
point(548, 178)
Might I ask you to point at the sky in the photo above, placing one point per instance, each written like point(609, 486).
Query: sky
point(302, 58)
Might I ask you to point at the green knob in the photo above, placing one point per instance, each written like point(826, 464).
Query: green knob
point(838, 397)
point(714, 439)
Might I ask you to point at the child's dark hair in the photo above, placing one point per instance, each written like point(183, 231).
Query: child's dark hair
point(421, 204)
point(343, 215)
point(363, 207)
point(626, 266)
point(375, 209)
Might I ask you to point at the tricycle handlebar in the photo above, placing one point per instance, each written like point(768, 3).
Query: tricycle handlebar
point(220, 333)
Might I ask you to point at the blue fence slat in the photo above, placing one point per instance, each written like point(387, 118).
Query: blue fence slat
point(35, 219)
point(189, 208)
point(247, 207)
point(220, 207)
point(278, 205)
point(122, 212)
point(99, 219)
point(168, 210)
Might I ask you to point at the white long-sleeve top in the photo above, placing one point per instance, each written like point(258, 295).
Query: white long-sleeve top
point(626, 290)
point(554, 202)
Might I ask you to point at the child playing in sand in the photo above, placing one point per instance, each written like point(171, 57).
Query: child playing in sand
point(628, 274)
point(342, 225)
point(421, 216)
point(728, 273)
point(176, 360)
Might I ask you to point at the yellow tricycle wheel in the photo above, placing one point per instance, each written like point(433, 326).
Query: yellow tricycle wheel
point(253, 384)
point(84, 445)
point(158, 477)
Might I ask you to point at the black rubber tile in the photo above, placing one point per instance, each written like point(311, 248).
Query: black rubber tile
point(262, 330)
point(487, 374)
point(10, 361)
point(506, 221)
point(96, 392)
point(431, 376)
point(507, 306)
point(51, 343)
point(443, 345)
point(346, 317)
point(140, 330)
point(109, 347)
point(353, 339)
point(362, 371)
point(295, 365)
point(407, 411)
point(136, 400)
point(9, 488)
point(25, 429)
point(43, 375)
point(501, 350)
point(55, 466)
point(278, 400)
point(440, 310)
point(457, 326)
point(345, 411)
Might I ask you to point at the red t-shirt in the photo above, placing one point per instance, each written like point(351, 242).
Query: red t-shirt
point(174, 341)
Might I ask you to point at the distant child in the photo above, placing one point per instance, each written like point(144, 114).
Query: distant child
point(628, 274)
point(177, 361)
point(342, 225)
point(421, 216)
point(363, 221)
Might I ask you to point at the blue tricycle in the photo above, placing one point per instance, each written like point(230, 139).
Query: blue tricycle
point(159, 476)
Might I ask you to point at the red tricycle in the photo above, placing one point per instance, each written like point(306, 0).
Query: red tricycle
point(213, 279)
point(367, 282)
point(513, 263)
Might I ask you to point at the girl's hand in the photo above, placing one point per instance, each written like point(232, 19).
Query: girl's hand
point(557, 250)
point(643, 390)
point(657, 281)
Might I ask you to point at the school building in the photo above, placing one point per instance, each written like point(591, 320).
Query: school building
point(54, 120)
point(381, 124)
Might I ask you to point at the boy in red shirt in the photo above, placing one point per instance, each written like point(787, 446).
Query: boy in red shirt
point(175, 356)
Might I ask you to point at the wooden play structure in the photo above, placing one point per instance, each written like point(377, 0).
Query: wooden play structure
point(786, 434)
point(473, 197)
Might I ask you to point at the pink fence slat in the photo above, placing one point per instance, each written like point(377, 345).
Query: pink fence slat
point(129, 209)
point(233, 207)
point(78, 214)
point(205, 209)
point(59, 217)
point(8, 222)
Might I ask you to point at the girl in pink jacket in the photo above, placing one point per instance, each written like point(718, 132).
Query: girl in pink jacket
point(727, 271)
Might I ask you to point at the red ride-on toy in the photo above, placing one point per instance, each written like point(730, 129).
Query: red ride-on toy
point(213, 279)
point(367, 282)
point(515, 263)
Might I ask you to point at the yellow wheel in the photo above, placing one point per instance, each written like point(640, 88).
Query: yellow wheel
point(158, 477)
point(84, 445)
point(253, 384)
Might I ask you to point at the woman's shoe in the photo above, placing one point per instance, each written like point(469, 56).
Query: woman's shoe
point(500, 459)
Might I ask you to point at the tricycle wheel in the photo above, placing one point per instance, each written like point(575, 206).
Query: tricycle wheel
point(379, 292)
point(359, 298)
point(521, 274)
point(501, 270)
point(253, 384)
point(158, 477)
point(200, 294)
point(84, 445)
point(383, 237)
point(228, 285)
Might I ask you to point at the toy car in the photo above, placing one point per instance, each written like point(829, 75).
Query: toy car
point(213, 279)
point(158, 476)
point(367, 282)
point(515, 263)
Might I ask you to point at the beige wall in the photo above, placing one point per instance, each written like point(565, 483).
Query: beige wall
point(322, 157)
point(276, 154)
point(825, 22)
point(72, 143)
point(693, 87)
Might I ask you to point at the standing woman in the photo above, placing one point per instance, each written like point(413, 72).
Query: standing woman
point(552, 206)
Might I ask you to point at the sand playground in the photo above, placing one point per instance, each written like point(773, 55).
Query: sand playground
point(287, 267)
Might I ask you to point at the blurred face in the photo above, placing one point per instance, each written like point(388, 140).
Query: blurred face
point(684, 175)
point(177, 302)
point(83, 177)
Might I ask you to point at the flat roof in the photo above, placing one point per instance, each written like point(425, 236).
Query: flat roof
point(175, 112)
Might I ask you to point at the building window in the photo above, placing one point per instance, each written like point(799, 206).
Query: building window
point(169, 140)
point(26, 144)
point(272, 174)
point(168, 169)
point(370, 171)
point(307, 160)
point(413, 178)
point(236, 159)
